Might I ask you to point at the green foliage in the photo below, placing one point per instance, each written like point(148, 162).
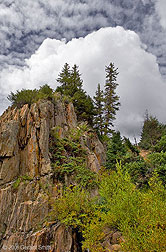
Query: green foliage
point(160, 145)
point(83, 106)
point(44, 92)
point(69, 158)
point(115, 151)
point(64, 77)
point(22, 97)
point(16, 183)
point(138, 215)
point(118, 194)
point(157, 163)
point(23, 178)
point(138, 171)
point(26, 177)
point(71, 85)
point(134, 149)
point(111, 99)
point(151, 132)
point(123, 151)
point(99, 110)
point(77, 209)
point(27, 96)
point(66, 99)
point(70, 80)
point(76, 80)
point(74, 208)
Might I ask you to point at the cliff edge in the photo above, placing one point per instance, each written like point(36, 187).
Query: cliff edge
point(27, 176)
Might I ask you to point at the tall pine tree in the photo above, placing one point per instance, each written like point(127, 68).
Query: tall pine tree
point(76, 77)
point(111, 99)
point(64, 79)
point(99, 110)
point(75, 81)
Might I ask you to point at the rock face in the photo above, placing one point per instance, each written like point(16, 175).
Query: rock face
point(26, 176)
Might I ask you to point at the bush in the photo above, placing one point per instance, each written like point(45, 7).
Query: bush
point(75, 208)
point(138, 171)
point(69, 158)
point(20, 98)
point(160, 145)
point(139, 216)
point(44, 92)
point(28, 96)
point(157, 162)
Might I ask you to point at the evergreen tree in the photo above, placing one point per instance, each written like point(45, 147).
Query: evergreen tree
point(70, 80)
point(64, 79)
point(115, 150)
point(99, 110)
point(111, 99)
point(76, 80)
point(83, 105)
point(71, 85)
point(152, 131)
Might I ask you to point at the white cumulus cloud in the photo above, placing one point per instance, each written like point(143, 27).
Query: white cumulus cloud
point(140, 84)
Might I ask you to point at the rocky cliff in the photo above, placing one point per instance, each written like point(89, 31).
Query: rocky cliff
point(27, 175)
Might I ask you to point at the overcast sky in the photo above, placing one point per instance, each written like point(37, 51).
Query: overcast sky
point(38, 37)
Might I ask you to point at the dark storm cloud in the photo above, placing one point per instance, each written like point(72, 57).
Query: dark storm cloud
point(25, 24)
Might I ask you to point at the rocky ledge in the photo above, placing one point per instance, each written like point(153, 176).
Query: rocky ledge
point(26, 175)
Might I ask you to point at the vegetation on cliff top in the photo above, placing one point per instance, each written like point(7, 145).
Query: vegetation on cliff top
point(71, 86)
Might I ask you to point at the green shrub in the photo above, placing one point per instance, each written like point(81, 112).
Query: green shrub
point(161, 145)
point(28, 96)
point(17, 183)
point(74, 208)
point(20, 98)
point(120, 150)
point(44, 92)
point(23, 178)
point(139, 216)
point(157, 162)
point(138, 171)
point(69, 157)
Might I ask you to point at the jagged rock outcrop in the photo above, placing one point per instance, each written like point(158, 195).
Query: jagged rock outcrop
point(26, 175)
